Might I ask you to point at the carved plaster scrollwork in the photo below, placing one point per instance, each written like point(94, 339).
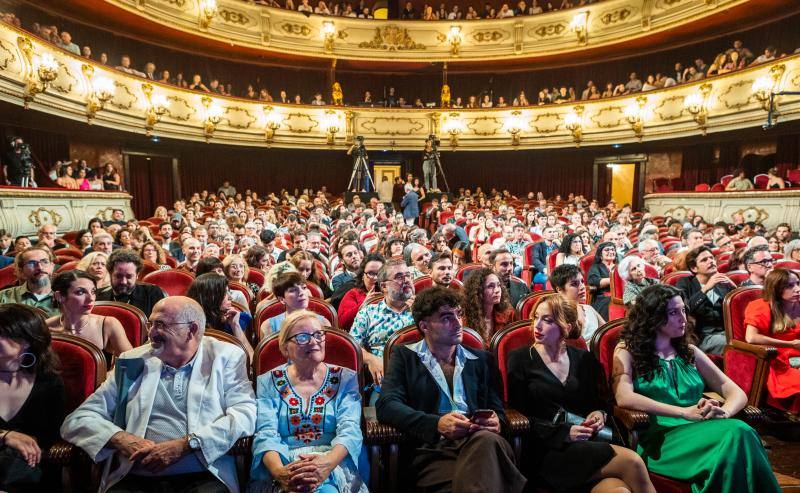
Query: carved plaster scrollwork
point(290, 28)
point(234, 17)
point(393, 125)
point(752, 214)
point(546, 123)
point(485, 125)
point(8, 58)
point(300, 123)
point(737, 95)
point(392, 38)
point(670, 108)
point(41, 216)
point(548, 30)
point(236, 116)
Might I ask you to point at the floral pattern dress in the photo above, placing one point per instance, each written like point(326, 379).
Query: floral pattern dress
point(288, 425)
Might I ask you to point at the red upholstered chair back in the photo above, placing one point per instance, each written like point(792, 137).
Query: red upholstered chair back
point(242, 288)
point(787, 264)
point(83, 367)
point(650, 271)
point(422, 283)
point(702, 187)
point(171, 261)
point(586, 263)
point(515, 335)
point(738, 276)
point(148, 267)
point(733, 307)
point(275, 307)
point(271, 309)
point(725, 180)
point(740, 366)
point(604, 341)
point(718, 187)
point(173, 282)
point(761, 180)
point(230, 339)
point(467, 268)
point(315, 290)
point(340, 350)
point(527, 305)
point(68, 252)
point(410, 335)
point(8, 277)
point(132, 319)
point(325, 309)
point(551, 261)
point(255, 276)
point(70, 265)
point(673, 277)
point(617, 286)
point(373, 299)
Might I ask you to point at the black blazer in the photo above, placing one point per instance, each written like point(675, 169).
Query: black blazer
point(699, 306)
point(409, 398)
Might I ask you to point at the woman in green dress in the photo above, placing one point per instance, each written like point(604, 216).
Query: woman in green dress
point(690, 437)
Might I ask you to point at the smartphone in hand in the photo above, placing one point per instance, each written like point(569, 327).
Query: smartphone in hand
point(481, 414)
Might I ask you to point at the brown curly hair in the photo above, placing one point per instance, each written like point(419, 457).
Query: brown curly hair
point(473, 299)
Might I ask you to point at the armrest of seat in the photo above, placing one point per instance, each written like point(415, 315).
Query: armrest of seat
point(242, 447)
point(375, 432)
point(518, 423)
point(757, 350)
point(632, 420)
point(749, 414)
point(62, 453)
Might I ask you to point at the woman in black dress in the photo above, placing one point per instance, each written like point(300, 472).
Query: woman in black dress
point(31, 401)
point(550, 377)
point(599, 277)
point(111, 179)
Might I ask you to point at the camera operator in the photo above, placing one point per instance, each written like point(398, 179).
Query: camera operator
point(359, 168)
point(18, 164)
point(429, 163)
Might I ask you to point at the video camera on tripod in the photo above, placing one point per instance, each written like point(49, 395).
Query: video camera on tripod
point(360, 167)
point(434, 140)
point(20, 162)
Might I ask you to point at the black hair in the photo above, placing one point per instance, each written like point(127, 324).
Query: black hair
point(209, 291)
point(123, 256)
point(430, 300)
point(562, 274)
point(208, 264)
point(20, 323)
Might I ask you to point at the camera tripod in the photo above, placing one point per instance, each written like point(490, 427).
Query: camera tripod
point(438, 161)
point(360, 168)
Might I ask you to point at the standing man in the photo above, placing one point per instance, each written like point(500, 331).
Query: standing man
point(429, 165)
point(410, 205)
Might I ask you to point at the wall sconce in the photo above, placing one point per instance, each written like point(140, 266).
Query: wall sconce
point(454, 126)
point(208, 10)
point(514, 125)
point(574, 123)
point(101, 90)
point(580, 26)
point(156, 108)
point(455, 37)
point(636, 113)
point(697, 105)
point(213, 115)
point(273, 122)
point(45, 71)
point(331, 125)
point(329, 34)
point(767, 85)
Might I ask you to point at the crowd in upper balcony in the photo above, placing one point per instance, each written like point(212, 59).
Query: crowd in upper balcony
point(737, 56)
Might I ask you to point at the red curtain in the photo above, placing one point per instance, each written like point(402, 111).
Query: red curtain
point(150, 183)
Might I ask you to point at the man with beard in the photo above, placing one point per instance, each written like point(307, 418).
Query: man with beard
point(167, 415)
point(441, 269)
point(374, 324)
point(350, 255)
point(34, 265)
point(502, 262)
point(124, 267)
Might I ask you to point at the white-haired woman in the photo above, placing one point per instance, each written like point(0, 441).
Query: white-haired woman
point(94, 264)
point(792, 251)
point(308, 428)
point(631, 270)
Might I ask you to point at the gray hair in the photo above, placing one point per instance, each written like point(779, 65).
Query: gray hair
point(625, 265)
point(383, 274)
point(791, 247)
point(191, 311)
point(650, 242)
point(96, 238)
point(750, 254)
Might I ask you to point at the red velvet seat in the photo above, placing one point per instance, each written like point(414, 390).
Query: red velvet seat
point(738, 276)
point(173, 282)
point(315, 290)
point(787, 264)
point(425, 282)
point(527, 305)
point(340, 349)
point(70, 265)
point(586, 262)
point(69, 252)
point(8, 276)
point(672, 278)
point(242, 288)
point(527, 263)
point(255, 276)
point(616, 308)
point(171, 261)
point(725, 180)
point(410, 335)
point(760, 181)
point(702, 187)
point(462, 272)
point(275, 307)
point(746, 364)
point(148, 267)
point(132, 319)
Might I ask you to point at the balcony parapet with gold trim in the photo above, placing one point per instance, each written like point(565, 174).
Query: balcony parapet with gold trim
point(729, 102)
point(284, 31)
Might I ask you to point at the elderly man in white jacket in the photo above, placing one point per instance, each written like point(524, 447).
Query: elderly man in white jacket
point(167, 415)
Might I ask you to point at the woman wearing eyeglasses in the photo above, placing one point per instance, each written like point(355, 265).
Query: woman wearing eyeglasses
point(366, 283)
point(291, 290)
point(75, 291)
point(308, 426)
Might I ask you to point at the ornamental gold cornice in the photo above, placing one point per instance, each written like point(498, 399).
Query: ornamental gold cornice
point(717, 104)
point(65, 194)
point(277, 30)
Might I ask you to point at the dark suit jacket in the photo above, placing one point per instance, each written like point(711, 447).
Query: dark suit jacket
point(409, 398)
point(144, 297)
point(539, 255)
point(706, 314)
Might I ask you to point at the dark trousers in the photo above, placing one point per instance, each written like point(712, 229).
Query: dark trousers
point(482, 462)
point(200, 482)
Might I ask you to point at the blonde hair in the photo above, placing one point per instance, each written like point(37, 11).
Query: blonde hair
point(290, 322)
point(228, 260)
point(84, 263)
point(564, 313)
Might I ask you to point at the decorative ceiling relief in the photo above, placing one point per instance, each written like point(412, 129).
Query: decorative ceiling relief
point(392, 38)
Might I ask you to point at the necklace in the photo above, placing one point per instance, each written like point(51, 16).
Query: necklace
point(77, 330)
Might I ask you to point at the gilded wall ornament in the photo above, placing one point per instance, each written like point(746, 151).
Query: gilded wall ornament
point(234, 17)
point(391, 38)
point(7, 59)
point(41, 216)
point(547, 30)
point(614, 16)
point(296, 29)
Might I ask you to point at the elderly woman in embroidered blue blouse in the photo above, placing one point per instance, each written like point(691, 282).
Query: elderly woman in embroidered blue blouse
point(308, 429)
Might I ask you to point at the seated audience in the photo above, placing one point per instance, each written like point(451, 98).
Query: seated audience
point(540, 253)
point(153, 252)
point(440, 268)
point(33, 266)
point(792, 250)
point(487, 309)
point(570, 251)
point(599, 277)
point(317, 448)
point(290, 289)
point(94, 264)
point(193, 402)
point(236, 269)
point(631, 270)
point(739, 181)
point(690, 437)
point(568, 281)
point(210, 291)
point(124, 267)
point(303, 261)
point(704, 291)
point(214, 265)
point(451, 452)
point(31, 401)
point(772, 321)
point(758, 262)
point(365, 283)
point(774, 180)
point(549, 381)
point(502, 263)
point(75, 291)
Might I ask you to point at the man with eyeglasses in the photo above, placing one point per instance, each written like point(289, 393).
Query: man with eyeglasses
point(443, 397)
point(48, 234)
point(34, 265)
point(374, 324)
point(169, 412)
point(650, 251)
point(759, 262)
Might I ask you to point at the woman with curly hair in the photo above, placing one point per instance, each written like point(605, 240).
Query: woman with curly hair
point(773, 321)
point(571, 250)
point(393, 247)
point(153, 252)
point(486, 305)
point(689, 438)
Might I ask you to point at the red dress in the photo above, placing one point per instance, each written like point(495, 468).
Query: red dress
point(783, 382)
point(349, 306)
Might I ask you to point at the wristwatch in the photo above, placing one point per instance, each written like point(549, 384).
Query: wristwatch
point(194, 441)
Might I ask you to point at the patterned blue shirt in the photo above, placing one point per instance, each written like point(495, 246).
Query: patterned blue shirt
point(517, 248)
point(374, 324)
